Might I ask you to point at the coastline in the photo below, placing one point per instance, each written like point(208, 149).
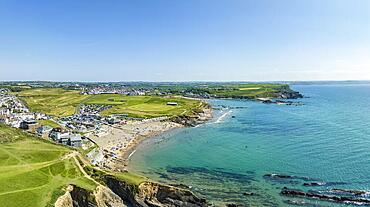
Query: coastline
point(117, 143)
point(126, 153)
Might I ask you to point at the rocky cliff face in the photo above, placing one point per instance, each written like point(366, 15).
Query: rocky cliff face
point(150, 194)
point(192, 120)
point(154, 194)
point(118, 193)
point(287, 93)
point(79, 197)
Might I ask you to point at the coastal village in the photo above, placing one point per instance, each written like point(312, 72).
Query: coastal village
point(104, 140)
point(13, 112)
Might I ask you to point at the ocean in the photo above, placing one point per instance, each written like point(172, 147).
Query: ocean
point(326, 141)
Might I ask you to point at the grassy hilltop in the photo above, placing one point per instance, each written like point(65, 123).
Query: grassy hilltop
point(222, 90)
point(52, 101)
point(60, 102)
point(33, 172)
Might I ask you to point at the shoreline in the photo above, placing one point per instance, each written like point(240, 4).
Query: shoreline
point(118, 143)
point(130, 150)
point(126, 153)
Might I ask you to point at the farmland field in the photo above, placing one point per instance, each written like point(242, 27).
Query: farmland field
point(33, 172)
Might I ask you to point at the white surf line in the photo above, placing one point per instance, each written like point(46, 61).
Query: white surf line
point(222, 117)
point(131, 154)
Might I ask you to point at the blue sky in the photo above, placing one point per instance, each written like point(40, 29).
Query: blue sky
point(184, 40)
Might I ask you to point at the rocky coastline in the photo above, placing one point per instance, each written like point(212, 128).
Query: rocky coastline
point(118, 193)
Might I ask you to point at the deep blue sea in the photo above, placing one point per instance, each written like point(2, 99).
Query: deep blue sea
point(326, 140)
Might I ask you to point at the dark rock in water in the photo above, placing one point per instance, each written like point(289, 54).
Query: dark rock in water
point(248, 193)
point(216, 175)
point(347, 192)
point(232, 116)
point(234, 205)
point(267, 101)
point(278, 177)
point(300, 203)
point(314, 184)
point(332, 198)
point(272, 175)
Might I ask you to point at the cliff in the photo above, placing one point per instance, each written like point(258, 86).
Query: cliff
point(151, 194)
point(198, 117)
point(119, 193)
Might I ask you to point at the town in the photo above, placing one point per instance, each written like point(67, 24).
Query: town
point(67, 130)
point(99, 137)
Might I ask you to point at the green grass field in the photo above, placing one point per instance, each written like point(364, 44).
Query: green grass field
point(52, 101)
point(49, 123)
point(32, 171)
point(246, 90)
point(59, 102)
point(144, 106)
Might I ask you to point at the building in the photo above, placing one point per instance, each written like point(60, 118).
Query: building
point(113, 121)
point(44, 130)
point(29, 124)
point(75, 140)
point(64, 138)
point(172, 103)
point(57, 133)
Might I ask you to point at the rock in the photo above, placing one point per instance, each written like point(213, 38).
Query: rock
point(82, 197)
point(272, 175)
point(104, 197)
point(333, 198)
point(153, 194)
point(248, 193)
point(314, 184)
point(233, 205)
point(66, 199)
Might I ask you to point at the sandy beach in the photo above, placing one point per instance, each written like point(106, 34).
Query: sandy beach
point(117, 142)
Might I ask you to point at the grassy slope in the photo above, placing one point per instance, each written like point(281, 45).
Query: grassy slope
point(61, 103)
point(130, 178)
point(32, 172)
point(144, 106)
point(246, 90)
point(52, 101)
point(49, 123)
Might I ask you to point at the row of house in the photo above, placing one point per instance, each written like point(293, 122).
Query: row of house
point(66, 138)
point(107, 89)
point(15, 114)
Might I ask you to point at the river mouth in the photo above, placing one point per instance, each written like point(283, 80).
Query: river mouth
point(226, 160)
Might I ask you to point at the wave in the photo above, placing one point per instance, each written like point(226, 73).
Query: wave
point(222, 117)
point(131, 154)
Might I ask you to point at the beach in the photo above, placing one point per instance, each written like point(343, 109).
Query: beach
point(116, 142)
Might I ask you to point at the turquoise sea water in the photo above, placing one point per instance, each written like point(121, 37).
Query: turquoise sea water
point(327, 140)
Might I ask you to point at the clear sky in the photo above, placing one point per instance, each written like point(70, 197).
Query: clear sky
point(184, 40)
